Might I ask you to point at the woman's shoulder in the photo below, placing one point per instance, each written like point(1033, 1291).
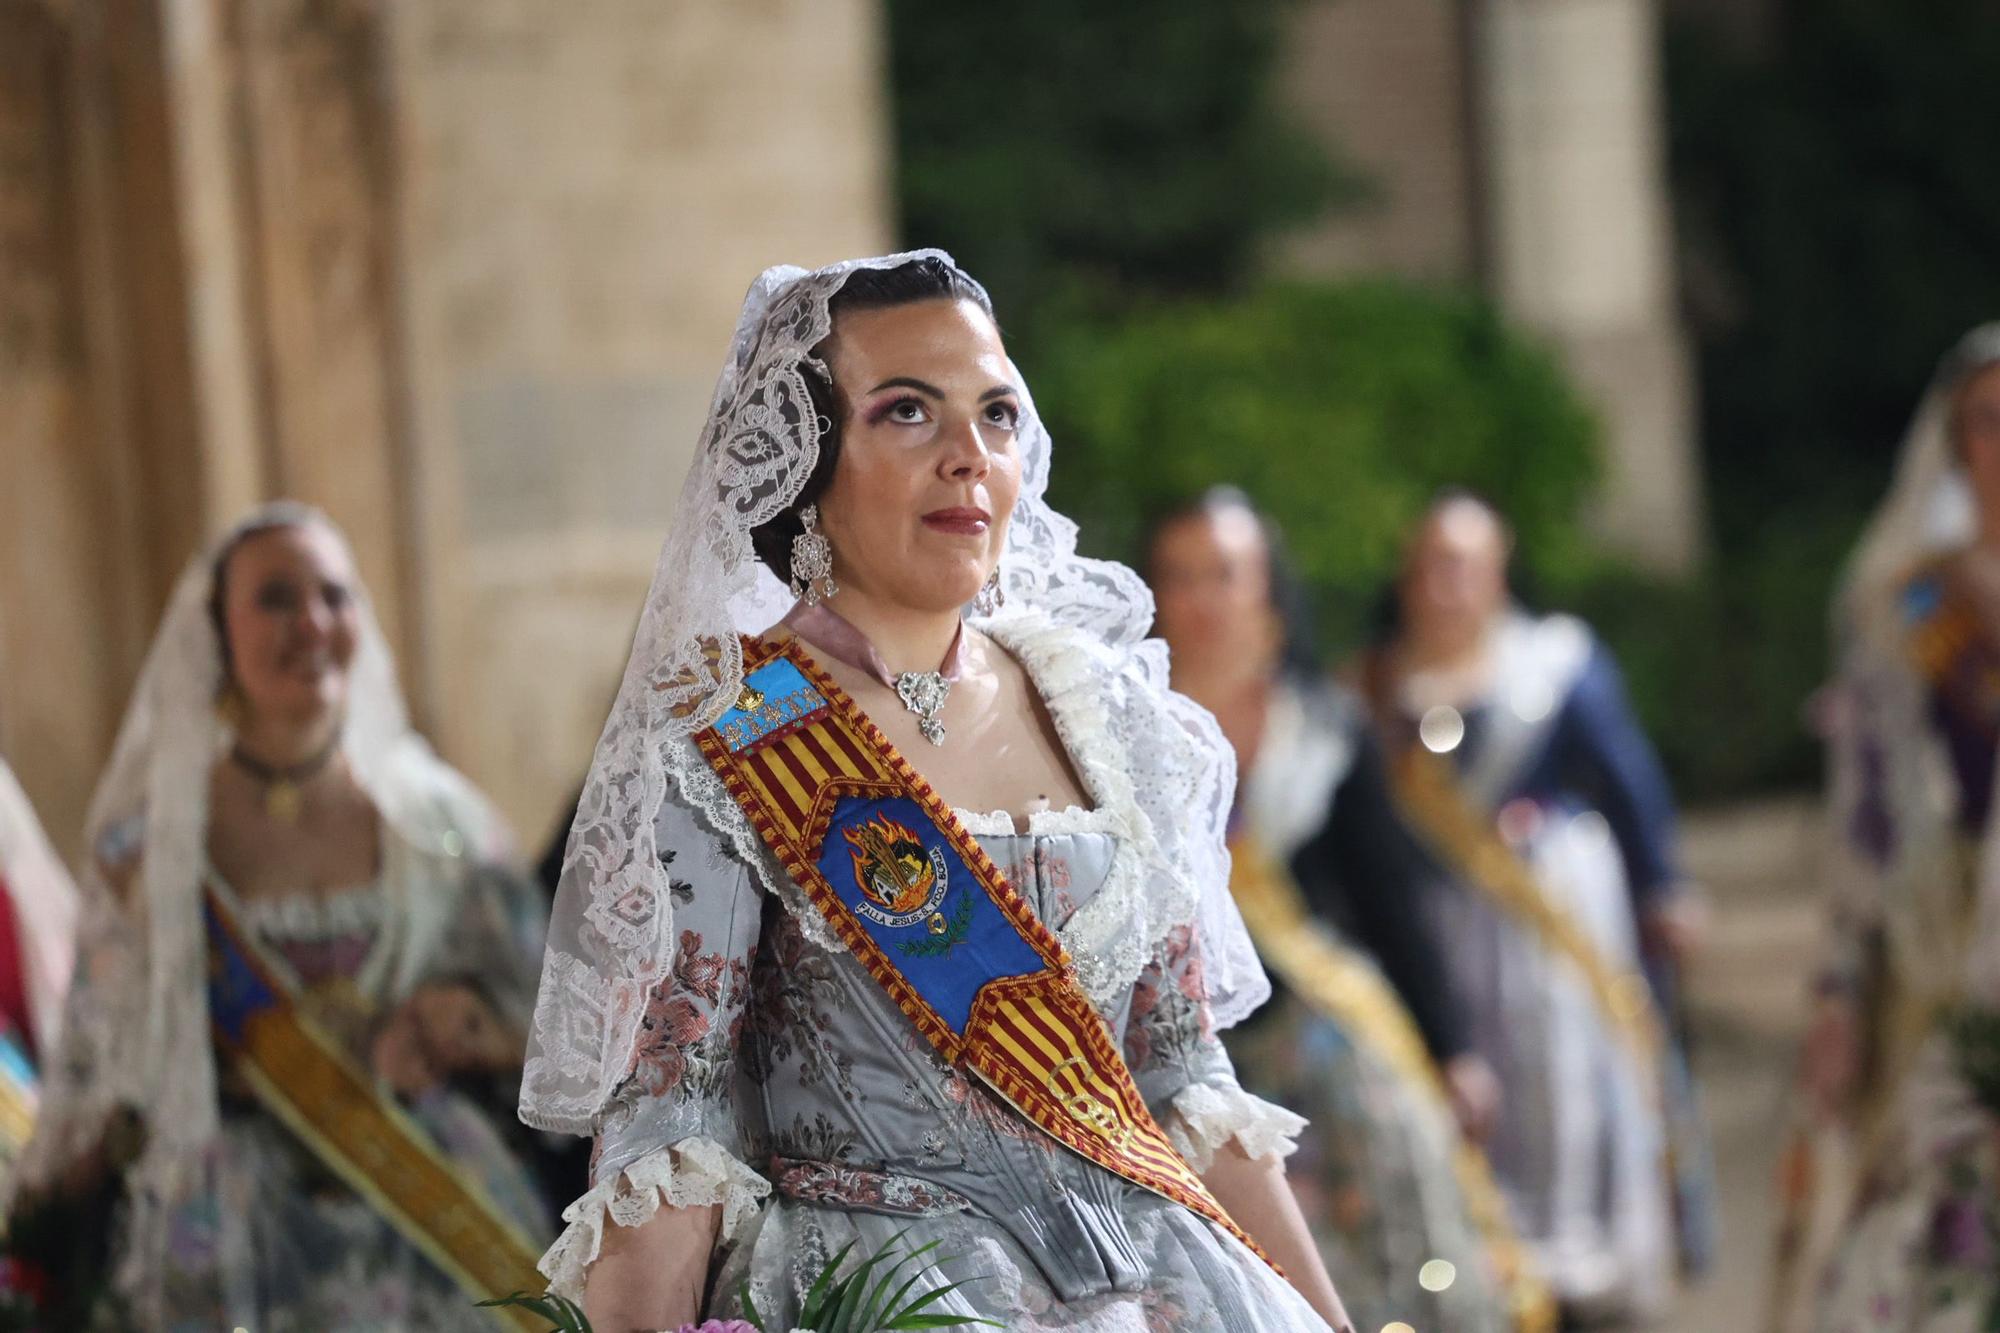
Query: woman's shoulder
point(439, 809)
point(1062, 658)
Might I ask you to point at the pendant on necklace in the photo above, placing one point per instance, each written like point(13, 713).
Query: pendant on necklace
point(924, 693)
point(282, 801)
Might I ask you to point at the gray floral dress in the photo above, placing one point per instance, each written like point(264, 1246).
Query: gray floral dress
point(774, 1076)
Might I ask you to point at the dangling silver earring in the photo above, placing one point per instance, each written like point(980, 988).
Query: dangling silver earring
point(812, 561)
point(990, 597)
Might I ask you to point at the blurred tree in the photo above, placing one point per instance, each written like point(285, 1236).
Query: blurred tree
point(1341, 408)
point(1071, 154)
point(1838, 210)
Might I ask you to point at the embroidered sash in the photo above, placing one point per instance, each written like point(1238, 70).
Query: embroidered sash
point(1430, 795)
point(1330, 979)
point(20, 1097)
point(311, 1086)
point(925, 910)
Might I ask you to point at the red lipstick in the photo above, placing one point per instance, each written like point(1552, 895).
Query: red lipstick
point(961, 520)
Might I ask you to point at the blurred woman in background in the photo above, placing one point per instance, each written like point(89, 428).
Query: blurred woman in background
point(305, 965)
point(1393, 1185)
point(37, 949)
point(1903, 1063)
point(1517, 758)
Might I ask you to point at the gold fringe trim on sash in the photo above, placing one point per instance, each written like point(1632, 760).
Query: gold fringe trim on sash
point(1430, 794)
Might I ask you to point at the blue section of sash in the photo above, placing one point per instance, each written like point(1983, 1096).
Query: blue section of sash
point(1922, 597)
point(991, 947)
point(15, 1066)
point(788, 699)
point(236, 993)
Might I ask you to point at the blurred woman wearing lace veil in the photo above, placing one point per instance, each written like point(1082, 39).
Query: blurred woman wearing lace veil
point(304, 964)
point(1902, 1067)
point(897, 902)
point(1335, 890)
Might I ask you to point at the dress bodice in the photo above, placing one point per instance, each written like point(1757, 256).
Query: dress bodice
point(324, 937)
point(805, 1066)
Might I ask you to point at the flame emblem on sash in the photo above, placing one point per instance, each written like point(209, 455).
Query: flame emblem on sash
point(900, 880)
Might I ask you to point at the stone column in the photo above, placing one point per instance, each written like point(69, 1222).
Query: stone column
point(127, 421)
point(1579, 242)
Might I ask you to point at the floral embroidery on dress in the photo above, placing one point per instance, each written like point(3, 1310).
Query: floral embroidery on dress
point(793, 993)
point(820, 1141)
point(1170, 1015)
point(676, 1034)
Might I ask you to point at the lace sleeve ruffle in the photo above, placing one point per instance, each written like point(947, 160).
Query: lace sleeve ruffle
point(1206, 1116)
point(690, 1174)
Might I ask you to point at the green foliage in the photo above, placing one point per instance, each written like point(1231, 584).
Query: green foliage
point(1975, 1041)
point(564, 1315)
point(1340, 408)
point(1837, 205)
point(863, 1301)
point(869, 1298)
point(1837, 193)
point(1064, 151)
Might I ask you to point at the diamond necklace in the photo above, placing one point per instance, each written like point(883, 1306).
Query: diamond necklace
point(922, 692)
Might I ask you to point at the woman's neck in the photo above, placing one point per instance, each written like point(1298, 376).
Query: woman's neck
point(1444, 648)
point(282, 742)
point(905, 638)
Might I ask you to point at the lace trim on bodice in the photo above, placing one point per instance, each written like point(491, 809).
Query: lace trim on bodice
point(315, 918)
point(1069, 821)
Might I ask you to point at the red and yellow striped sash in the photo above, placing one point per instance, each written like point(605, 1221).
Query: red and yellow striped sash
point(309, 1084)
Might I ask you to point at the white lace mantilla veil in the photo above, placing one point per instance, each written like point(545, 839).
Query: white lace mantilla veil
point(612, 939)
point(1927, 514)
point(137, 1028)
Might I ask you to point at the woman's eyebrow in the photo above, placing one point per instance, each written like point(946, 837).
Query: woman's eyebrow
point(906, 382)
point(998, 391)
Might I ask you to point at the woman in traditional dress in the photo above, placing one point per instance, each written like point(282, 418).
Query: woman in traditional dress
point(37, 949)
point(1904, 1060)
point(806, 995)
point(305, 963)
point(1518, 760)
point(1388, 1172)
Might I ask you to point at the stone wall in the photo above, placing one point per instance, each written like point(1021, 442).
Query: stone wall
point(591, 189)
point(460, 271)
point(1384, 83)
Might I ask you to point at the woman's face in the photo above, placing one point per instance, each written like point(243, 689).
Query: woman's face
point(929, 468)
point(1455, 576)
point(1977, 422)
point(288, 608)
point(1211, 576)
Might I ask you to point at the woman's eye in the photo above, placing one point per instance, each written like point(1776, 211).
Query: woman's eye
point(276, 597)
point(907, 412)
point(1003, 413)
point(337, 596)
